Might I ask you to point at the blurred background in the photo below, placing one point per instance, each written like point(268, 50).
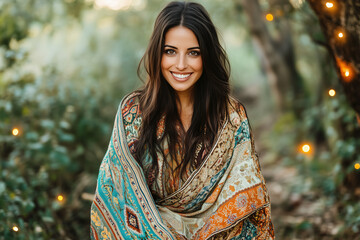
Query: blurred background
point(66, 64)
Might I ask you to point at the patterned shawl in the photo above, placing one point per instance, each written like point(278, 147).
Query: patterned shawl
point(225, 198)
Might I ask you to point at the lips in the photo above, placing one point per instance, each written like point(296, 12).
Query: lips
point(181, 76)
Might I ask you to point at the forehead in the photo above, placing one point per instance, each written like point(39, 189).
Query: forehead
point(181, 36)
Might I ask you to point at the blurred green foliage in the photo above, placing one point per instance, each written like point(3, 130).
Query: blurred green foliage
point(332, 131)
point(64, 66)
point(57, 90)
point(329, 126)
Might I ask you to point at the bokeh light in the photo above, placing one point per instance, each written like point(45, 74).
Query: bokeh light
point(306, 148)
point(346, 72)
point(329, 4)
point(113, 4)
point(15, 229)
point(269, 17)
point(15, 131)
point(60, 198)
point(332, 92)
point(357, 166)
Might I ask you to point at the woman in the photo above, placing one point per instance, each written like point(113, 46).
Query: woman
point(181, 162)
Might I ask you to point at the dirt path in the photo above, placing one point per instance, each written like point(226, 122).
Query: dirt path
point(295, 215)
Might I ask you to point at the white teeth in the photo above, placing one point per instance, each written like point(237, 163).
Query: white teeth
point(181, 75)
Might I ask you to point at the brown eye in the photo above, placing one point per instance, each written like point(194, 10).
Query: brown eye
point(169, 51)
point(194, 53)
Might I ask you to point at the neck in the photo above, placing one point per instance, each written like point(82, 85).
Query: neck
point(185, 103)
point(185, 108)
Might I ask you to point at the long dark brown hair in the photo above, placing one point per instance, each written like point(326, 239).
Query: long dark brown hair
point(158, 98)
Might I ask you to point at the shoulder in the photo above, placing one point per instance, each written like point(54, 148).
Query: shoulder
point(130, 102)
point(130, 107)
point(237, 111)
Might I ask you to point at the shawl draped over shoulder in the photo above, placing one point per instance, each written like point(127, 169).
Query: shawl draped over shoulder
point(224, 198)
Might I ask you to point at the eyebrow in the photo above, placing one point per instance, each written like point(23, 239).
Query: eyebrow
point(177, 48)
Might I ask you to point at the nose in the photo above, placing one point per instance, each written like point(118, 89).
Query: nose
point(181, 62)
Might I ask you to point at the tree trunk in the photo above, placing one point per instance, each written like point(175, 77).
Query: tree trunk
point(277, 57)
point(343, 17)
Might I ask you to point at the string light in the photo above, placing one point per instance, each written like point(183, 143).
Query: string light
point(346, 70)
point(347, 73)
point(329, 4)
point(357, 166)
point(60, 198)
point(269, 17)
point(306, 148)
point(15, 131)
point(340, 35)
point(332, 92)
point(15, 229)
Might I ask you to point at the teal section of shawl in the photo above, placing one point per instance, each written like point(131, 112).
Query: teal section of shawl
point(248, 232)
point(118, 195)
point(125, 197)
point(243, 133)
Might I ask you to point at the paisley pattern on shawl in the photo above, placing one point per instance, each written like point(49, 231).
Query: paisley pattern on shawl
point(225, 198)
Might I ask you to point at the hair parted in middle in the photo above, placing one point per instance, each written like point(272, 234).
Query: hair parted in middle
point(211, 91)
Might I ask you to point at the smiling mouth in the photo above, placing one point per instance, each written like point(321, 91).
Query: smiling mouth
point(180, 76)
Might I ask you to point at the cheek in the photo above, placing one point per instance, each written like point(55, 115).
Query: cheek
point(198, 65)
point(165, 62)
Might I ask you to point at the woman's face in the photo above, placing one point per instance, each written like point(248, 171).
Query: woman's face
point(181, 63)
